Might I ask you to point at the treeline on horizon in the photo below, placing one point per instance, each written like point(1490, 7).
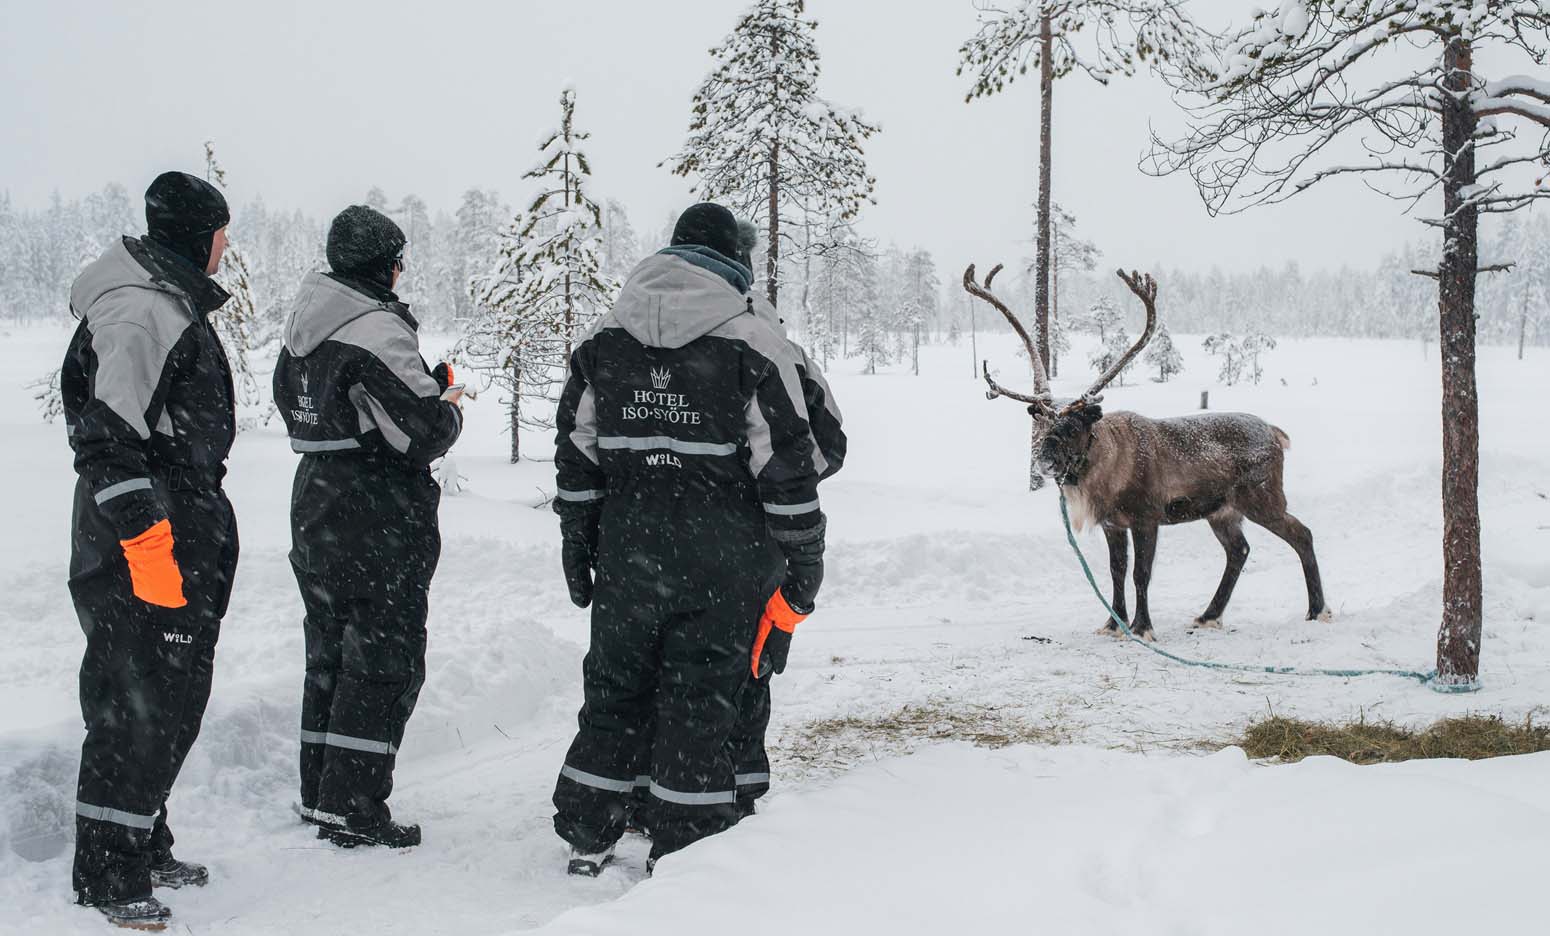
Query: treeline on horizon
point(42, 250)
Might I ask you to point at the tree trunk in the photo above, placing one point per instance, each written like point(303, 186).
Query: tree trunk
point(1523, 325)
point(1042, 264)
point(570, 314)
point(772, 251)
point(516, 414)
point(1458, 641)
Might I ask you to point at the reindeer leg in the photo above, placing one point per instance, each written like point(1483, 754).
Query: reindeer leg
point(1300, 538)
point(1119, 562)
point(1228, 527)
point(1146, 550)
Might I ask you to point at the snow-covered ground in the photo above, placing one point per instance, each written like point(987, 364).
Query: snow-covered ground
point(941, 568)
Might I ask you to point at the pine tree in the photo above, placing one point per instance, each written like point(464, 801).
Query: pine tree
point(1105, 318)
point(238, 322)
point(1304, 83)
point(1162, 355)
point(547, 286)
point(1069, 254)
point(872, 339)
point(1113, 348)
point(620, 248)
point(761, 138)
point(1253, 345)
point(1103, 39)
point(473, 248)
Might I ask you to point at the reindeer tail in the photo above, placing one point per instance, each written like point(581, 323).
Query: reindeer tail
point(1281, 437)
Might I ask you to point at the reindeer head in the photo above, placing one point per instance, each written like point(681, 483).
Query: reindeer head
point(1067, 428)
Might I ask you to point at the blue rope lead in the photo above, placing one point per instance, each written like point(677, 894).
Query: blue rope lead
point(1428, 678)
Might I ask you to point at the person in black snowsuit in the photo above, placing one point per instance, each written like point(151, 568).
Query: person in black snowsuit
point(368, 417)
point(149, 412)
point(687, 497)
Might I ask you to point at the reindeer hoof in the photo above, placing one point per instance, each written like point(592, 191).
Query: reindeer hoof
point(1326, 615)
point(1110, 630)
point(1148, 635)
point(1206, 623)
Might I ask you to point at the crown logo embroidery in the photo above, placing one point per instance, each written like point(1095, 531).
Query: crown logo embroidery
point(660, 377)
point(304, 382)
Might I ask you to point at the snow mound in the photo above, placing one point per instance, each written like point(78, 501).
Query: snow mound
point(1084, 841)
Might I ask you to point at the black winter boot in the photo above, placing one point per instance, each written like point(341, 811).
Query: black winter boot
point(356, 831)
point(168, 871)
point(142, 913)
point(584, 864)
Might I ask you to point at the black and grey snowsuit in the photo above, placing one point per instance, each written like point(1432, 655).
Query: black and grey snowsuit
point(683, 442)
point(367, 417)
point(149, 412)
point(829, 442)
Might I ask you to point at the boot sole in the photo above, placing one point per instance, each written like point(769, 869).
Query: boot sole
point(344, 838)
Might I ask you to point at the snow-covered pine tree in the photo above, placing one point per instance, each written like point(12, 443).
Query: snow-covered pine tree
point(238, 322)
point(1302, 84)
point(1105, 318)
point(762, 139)
point(1113, 348)
point(619, 250)
point(921, 294)
point(1101, 38)
point(474, 245)
point(547, 286)
point(1253, 345)
point(1230, 350)
point(1162, 355)
point(1069, 254)
point(872, 344)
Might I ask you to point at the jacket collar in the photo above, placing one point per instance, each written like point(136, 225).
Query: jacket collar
point(169, 269)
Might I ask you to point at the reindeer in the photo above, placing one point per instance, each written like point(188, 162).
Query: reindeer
point(1125, 472)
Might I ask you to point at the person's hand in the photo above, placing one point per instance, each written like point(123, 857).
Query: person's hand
point(772, 644)
point(578, 556)
point(453, 394)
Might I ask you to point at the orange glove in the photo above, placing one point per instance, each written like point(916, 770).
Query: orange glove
point(773, 642)
point(152, 570)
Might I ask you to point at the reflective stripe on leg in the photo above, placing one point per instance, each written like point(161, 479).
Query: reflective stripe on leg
point(115, 816)
point(348, 743)
point(595, 782)
point(713, 798)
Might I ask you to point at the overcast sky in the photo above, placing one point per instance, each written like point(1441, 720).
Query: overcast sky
point(311, 103)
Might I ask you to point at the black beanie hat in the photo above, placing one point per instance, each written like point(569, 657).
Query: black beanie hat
point(182, 211)
point(364, 242)
point(708, 225)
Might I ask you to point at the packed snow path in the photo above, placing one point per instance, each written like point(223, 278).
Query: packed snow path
point(941, 567)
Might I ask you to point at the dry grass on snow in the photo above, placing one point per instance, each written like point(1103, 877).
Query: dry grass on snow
point(1471, 737)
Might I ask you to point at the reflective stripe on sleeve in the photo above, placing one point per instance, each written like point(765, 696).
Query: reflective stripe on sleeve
point(348, 743)
point(579, 497)
point(714, 798)
point(595, 782)
point(752, 779)
point(115, 816)
point(120, 489)
point(648, 443)
point(791, 510)
point(324, 445)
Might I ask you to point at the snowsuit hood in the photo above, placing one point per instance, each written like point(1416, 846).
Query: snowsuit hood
point(669, 301)
point(133, 264)
point(323, 305)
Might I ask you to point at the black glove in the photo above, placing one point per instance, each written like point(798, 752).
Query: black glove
point(442, 374)
point(578, 555)
point(804, 564)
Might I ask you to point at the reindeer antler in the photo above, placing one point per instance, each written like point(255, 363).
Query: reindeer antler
point(1145, 289)
point(1041, 392)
